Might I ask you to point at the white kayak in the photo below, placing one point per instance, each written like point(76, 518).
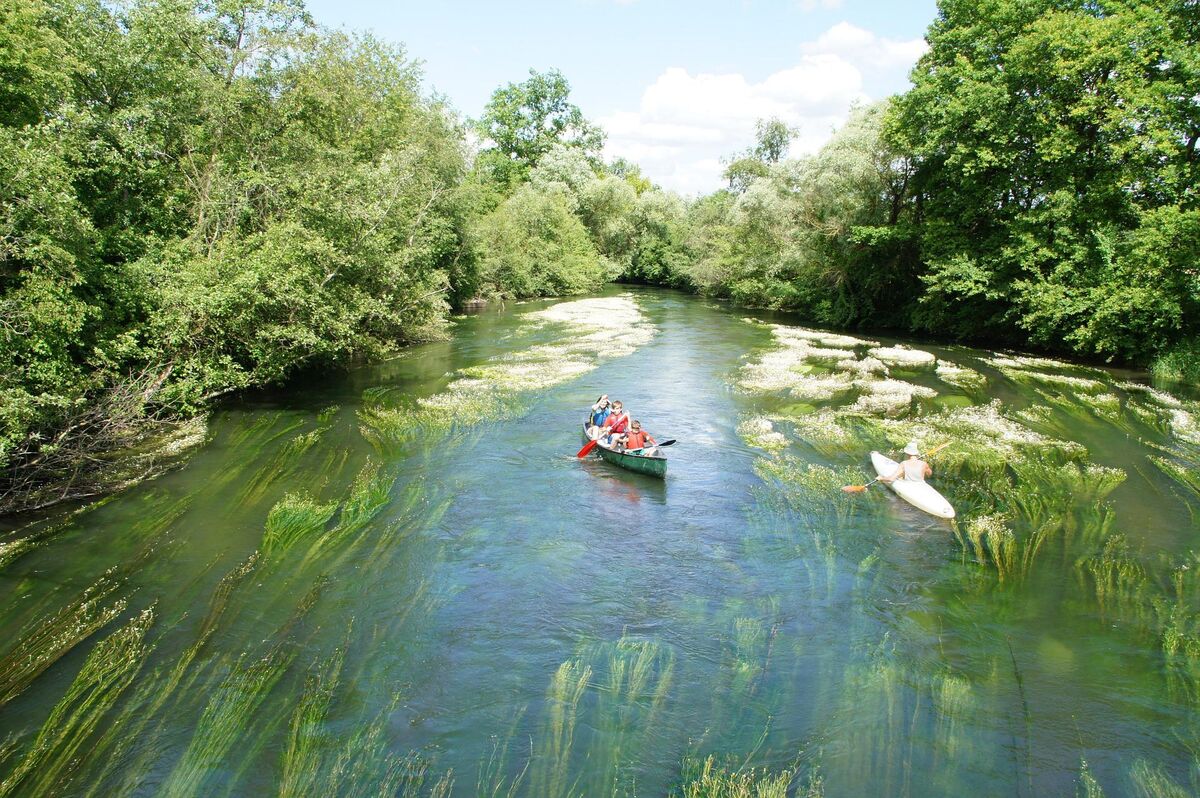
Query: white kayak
point(919, 494)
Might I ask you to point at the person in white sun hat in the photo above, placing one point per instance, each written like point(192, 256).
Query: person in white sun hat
point(914, 469)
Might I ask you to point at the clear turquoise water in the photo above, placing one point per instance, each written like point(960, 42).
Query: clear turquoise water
point(848, 638)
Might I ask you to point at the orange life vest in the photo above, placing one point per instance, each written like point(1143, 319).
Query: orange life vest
point(636, 440)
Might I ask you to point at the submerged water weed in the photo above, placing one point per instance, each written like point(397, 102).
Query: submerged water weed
point(552, 761)
point(889, 397)
point(154, 693)
point(1088, 786)
point(46, 641)
point(953, 706)
point(595, 330)
point(962, 377)
point(905, 358)
point(107, 672)
point(369, 494)
point(230, 712)
point(282, 464)
point(303, 759)
point(825, 433)
point(632, 682)
point(822, 337)
point(293, 518)
point(1117, 579)
point(704, 779)
point(760, 432)
point(989, 539)
point(1153, 781)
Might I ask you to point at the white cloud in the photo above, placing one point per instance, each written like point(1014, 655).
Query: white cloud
point(686, 122)
point(864, 47)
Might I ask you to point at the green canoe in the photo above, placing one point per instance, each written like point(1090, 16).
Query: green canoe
point(650, 465)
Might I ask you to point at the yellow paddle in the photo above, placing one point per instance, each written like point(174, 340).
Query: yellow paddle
point(861, 488)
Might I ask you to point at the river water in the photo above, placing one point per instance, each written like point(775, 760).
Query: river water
point(401, 579)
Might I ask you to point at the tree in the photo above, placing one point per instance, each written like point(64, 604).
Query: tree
point(523, 121)
point(772, 139)
point(1051, 142)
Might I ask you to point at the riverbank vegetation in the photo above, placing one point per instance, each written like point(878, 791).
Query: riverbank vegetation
point(198, 199)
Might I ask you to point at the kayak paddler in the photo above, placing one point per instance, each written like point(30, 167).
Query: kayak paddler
point(912, 469)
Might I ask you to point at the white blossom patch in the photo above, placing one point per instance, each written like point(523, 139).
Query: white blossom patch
point(904, 357)
point(889, 396)
point(760, 432)
point(960, 376)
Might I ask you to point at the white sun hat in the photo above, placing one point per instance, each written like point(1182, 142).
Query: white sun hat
point(912, 448)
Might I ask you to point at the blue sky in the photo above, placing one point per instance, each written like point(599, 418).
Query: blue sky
point(676, 84)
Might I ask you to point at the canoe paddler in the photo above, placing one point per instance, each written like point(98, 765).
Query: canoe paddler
point(912, 469)
point(636, 439)
point(617, 422)
point(599, 414)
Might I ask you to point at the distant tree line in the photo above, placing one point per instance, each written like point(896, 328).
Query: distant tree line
point(1036, 187)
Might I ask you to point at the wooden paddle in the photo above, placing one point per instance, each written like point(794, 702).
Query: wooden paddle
point(861, 488)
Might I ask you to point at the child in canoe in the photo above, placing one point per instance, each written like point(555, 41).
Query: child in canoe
point(598, 415)
point(616, 425)
point(636, 439)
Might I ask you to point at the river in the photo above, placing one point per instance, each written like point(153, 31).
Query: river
point(402, 579)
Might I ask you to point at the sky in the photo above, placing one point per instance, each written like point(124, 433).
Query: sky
point(676, 85)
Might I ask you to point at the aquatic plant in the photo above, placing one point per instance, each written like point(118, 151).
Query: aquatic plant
point(1188, 477)
point(904, 357)
point(293, 518)
point(953, 704)
point(109, 669)
point(283, 464)
point(989, 538)
point(557, 738)
point(1088, 786)
point(1152, 781)
point(760, 432)
point(302, 759)
point(230, 712)
point(962, 377)
point(631, 689)
point(326, 415)
point(155, 692)
point(889, 397)
point(369, 494)
point(704, 779)
point(1118, 580)
point(43, 643)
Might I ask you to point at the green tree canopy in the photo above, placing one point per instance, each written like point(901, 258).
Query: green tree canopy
point(523, 121)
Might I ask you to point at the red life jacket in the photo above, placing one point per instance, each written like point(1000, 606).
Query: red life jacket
point(617, 424)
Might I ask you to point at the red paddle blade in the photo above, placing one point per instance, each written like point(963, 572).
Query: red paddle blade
point(587, 448)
